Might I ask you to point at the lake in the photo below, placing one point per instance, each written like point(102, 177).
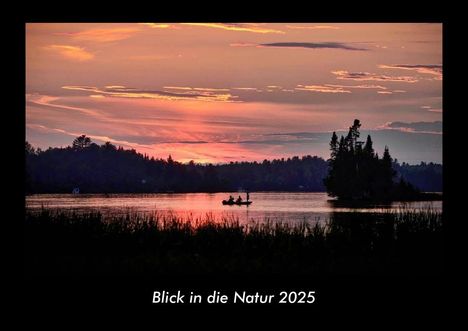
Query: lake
point(288, 207)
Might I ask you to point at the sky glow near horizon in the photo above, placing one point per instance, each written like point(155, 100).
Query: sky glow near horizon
point(214, 92)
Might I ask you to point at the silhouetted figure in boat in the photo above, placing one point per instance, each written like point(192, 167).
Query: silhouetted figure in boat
point(248, 196)
point(231, 199)
point(239, 199)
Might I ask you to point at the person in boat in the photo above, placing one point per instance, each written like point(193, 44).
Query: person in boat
point(239, 199)
point(231, 199)
point(248, 196)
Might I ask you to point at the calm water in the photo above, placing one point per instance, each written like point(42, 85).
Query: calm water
point(275, 206)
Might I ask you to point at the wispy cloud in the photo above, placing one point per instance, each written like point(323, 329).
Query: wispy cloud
point(178, 87)
point(367, 76)
point(189, 93)
point(313, 27)
point(373, 87)
point(49, 101)
point(322, 89)
point(384, 92)
point(319, 45)
point(102, 35)
point(159, 25)
point(420, 127)
point(73, 53)
point(431, 69)
point(433, 110)
point(241, 44)
point(245, 88)
point(335, 88)
point(243, 27)
point(387, 92)
point(188, 88)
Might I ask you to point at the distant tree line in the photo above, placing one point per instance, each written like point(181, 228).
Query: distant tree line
point(110, 169)
point(425, 176)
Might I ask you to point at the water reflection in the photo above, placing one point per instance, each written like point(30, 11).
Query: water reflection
point(272, 206)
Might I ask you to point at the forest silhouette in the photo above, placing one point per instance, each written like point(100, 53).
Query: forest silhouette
point(357, 173)
point(107, 168)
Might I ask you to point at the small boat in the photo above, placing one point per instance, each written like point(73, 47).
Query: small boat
point(229, 203)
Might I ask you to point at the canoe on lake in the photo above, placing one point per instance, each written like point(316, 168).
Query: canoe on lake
point(230, 203)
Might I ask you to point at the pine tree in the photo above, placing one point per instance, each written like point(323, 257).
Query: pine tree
point(353, 134)
point(81, 142)
point(334, 146)
point(368, 147)
point(386, 173)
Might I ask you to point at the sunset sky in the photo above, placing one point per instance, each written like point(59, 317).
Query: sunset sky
point(218, 92)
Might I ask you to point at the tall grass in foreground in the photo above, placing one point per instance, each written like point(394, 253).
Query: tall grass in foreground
point(68, 243)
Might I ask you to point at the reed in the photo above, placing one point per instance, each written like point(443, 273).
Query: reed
point(78, 244)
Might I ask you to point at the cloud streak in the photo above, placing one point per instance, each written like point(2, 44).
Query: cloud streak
point(313, 27)
point(321, 89)
point(158, 25)
point(433, 110)
point(240, 44)
point(366, 87)
point(73, 53)
point(188, 88)
point(335, 88)
point(242, 27)
point(420, 127)
point(48, 101)
point(430, 69)
point(200, 94)
point(367, 76)
point(102, 35)
point(319, 45)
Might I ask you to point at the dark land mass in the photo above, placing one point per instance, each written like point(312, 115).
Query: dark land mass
point(110, 169)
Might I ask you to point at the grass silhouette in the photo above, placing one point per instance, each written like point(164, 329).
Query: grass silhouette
point(76, 244)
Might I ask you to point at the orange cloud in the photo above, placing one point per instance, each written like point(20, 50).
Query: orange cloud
point(384, 92)
point(321, 88)
point(102, 35)
point(187, 88)
point(313, 27)
point(364, 76)
point(243, 27)
point(73, 53)
point(431, 69)
point(158, 25)
point(377, 87)
point(242, 44)
point(198, 94)
point(245, 88)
